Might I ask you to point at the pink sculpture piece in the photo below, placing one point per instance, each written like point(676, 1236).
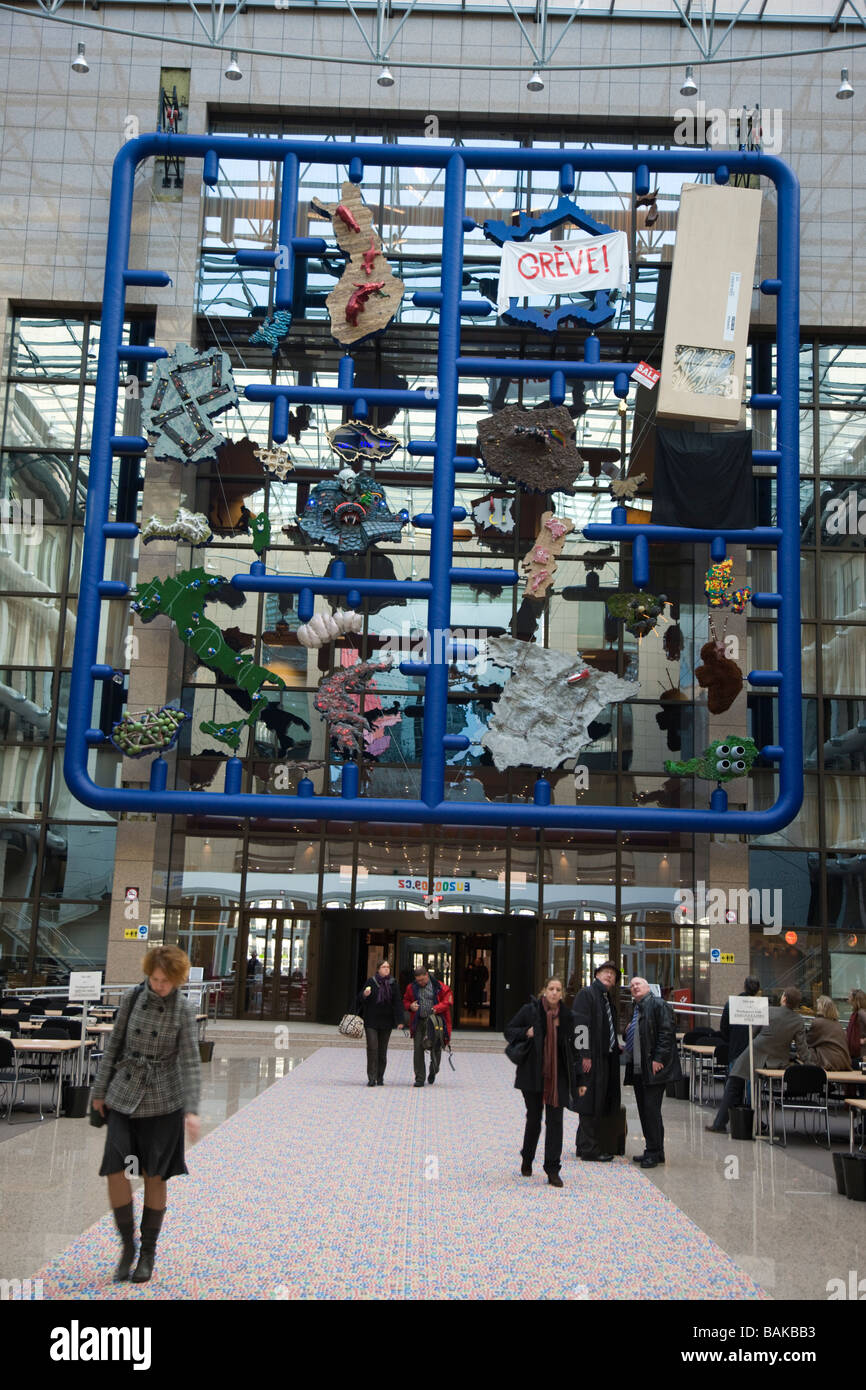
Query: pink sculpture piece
point(539, 564)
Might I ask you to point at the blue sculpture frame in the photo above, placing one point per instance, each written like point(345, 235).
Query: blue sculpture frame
point(451, 366)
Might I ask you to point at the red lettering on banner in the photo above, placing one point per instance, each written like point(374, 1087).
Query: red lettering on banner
point(527, 256)
point(575, 268)
point(604, 256)
point(560, 266)
point(590, 268)
point(545, 260)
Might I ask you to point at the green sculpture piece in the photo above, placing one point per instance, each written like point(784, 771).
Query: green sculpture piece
point(261, 529)
point(724, 760)
point(182, 598)
point(231, 733)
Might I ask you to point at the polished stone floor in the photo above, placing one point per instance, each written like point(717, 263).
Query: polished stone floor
point(774, 1211)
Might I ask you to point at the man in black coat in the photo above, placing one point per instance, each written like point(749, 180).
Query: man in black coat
point(597, 1053)
point(651, 1061)
point(736, 1035)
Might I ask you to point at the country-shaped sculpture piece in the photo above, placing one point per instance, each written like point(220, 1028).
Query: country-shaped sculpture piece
point(724, 760)
point(358, 442)
point(182, 598)
point(543, 715)
point(532, 447)
point(350, 513)
point(187, 526)
point(599, 310)
point(272, 331)
point(334, 700)
point(539, 563)
point(720, 676)
point(719, 587)
point(326, 627)
point(493, 515)
point(178, 407)
point(639, 612)
point(155, 731)
point(368, 294)
point(276, 461)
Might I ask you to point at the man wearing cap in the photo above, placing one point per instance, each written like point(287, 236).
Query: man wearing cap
point(428, 1003)
point(597, 1052)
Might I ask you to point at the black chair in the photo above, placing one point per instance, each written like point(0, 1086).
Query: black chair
point(14, 1076)
point(805, 1088)
point(720, 1067)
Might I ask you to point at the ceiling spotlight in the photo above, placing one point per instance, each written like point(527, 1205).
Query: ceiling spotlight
point(233, 72)
point(80, 63)
point(690, 86)
point(845, 92)
point(536, 82)
point(385, 78)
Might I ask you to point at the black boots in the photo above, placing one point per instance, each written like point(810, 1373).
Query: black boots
point(126, 1226)
point(151, 1221)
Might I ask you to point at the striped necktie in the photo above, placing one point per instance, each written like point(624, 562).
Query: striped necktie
point(632, 1037)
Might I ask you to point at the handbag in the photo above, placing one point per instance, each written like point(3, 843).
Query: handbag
point(519, 1051)
point(351, 1026)
point(95, 1117)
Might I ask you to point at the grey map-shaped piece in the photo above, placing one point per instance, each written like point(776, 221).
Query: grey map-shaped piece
point(540, 720)
point(188, 389)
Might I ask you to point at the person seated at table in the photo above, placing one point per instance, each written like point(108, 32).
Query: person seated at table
point(771, 1048)
point(827, 1037)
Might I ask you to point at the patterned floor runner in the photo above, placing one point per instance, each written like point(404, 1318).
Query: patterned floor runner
point(324, 1188)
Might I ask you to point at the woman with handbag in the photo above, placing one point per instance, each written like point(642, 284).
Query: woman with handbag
point(382, 1011)
point(149, 1084)
point(541, 1043)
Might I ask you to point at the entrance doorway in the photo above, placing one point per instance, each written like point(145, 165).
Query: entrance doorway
point(488, 960)
point(277, 966)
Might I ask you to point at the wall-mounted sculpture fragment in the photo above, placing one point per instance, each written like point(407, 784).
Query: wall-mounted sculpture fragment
point(190, 527)
point(725, 759)
point(539, 563)
point(325, 627)
point(350, 513)
point(276, 461)
point(541, 719)
point(358, 442)
point(187, 391)
point(368, 294)
point(532, 447)
point(334, 701)
point(154, 731)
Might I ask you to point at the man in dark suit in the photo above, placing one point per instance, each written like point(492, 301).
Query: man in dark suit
point(651, 1061)
point(771, 1048)
point(597, 1053)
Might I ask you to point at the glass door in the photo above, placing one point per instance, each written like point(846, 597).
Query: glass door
point(277, 973)
point(475, 989)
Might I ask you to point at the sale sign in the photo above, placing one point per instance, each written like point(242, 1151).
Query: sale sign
point(576, 266)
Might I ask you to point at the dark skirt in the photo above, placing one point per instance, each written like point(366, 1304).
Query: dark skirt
point(155, 1142)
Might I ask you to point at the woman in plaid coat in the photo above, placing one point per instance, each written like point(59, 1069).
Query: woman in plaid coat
point(148, 1083)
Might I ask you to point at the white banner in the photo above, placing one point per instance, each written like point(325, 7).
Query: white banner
point(576, 266)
